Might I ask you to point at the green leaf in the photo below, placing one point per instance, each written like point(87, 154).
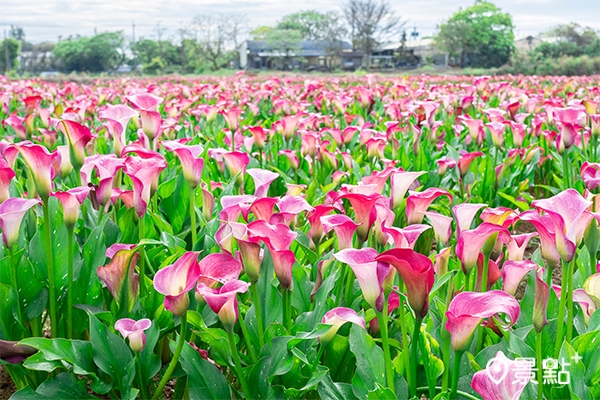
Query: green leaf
point(571, 363)
point(370, 365)
point(205, 381)
point(62, 386)
point(586, 346)
point(112, 356)
point(330, 390)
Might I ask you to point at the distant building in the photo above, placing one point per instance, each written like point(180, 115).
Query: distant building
point(527, 44)
point(306, 55)
point(418, 52)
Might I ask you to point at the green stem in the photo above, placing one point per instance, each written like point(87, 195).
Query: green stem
point(484, 273)
point(538, 357)
point(468, 281)
point(70, 285)
point(247, 340)
point(258, 312)
point(51, 273)
point(142, 259)
point(15, 282)
point(383, 328)
point(238, 363)
point(144, 394)
point(413, 356)
point(566, 170)
point(549, 276)
point(404, 333)
point(193, 215)
point(286, 295)
point(455, 374)
point(569, 293)
point(446, 340)
point(349, 286)
point(561, 309)
point(175, 358)
point(322, 348)
point(428, 373)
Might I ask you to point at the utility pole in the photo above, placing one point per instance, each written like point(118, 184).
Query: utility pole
point(7, 61)
point(134, 47)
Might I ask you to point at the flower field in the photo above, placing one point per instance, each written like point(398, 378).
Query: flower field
point(253, 237)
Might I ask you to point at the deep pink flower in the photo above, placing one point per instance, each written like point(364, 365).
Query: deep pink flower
point(465, 160)
point(262, 180)
point(191, 164)
point(540, 300)
point(369, 273)
point(117, 119)
point(416, 271)
point(71, 200)
point(144, 173)
point(444, 163)
point(118, 275)
point(363, 206)
point(405, 238)
point(467, 309)
point(338, 317)
point(343, 226)
point(134, 331)
point(503, 379)
point(259, 135)
point(590, 174)
point(417, 202)
point(470, 243)
point(78, 137)
point(289, 207)
point(315, 232)
point(570, 218)
point(39, 162)
point(219, 268)
point(585, 301)
point(232, 118)
point(12, 211)
point(475, 126)
point(146, 105)
point(6, 175)
point(278, 239)
point(176, 280)
point(223, 300)
point(236, 163)
point(497, 132)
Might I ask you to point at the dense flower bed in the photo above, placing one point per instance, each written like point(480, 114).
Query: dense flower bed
point(335, 238)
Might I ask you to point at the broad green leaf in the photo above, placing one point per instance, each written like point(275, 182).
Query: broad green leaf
point(204, 380)
point(62, 386)
point(370, 365)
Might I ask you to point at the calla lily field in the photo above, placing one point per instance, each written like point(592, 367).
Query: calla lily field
point(301, 237)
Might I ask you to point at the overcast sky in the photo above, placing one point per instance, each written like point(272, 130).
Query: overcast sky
point(46, 20)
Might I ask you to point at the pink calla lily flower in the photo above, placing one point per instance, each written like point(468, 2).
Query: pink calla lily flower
point(134, 331)
point(343, 226)
point(401, 181)
point(581, 297)
point(513, 272)
point(418, 202)
point(176, 280)
point(314, 219)
point(503, 379)
point(338, 317)
point(516, 247)
point(236, 163)
point(442, 226)
point(106, 167)
point(416, 271)
point(6, 175)
point(146, 104)
point(219, 268)
point(465, 160)
point(191, 164)
point(71, 200)
point(223, 300)
point(117, 119)
point(470, 243)
point(39, 162)
point(545, 227)
point(369, 273)
point(364, 215)
point(262, 180)
point(468, 309)
point(144, 174)
point(78, 137)
point(464, 214)
point(12, 211)
point(568, 212)
point(118, 275)
point(405, 238)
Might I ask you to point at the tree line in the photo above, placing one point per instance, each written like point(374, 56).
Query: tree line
point(478, 36)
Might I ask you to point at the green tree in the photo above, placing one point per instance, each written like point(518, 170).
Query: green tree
point(571, 40)
point(285, 42)
point(311, 24)
point(158, 56)
point(100, 53)
point(478, 36)
point(13, 47)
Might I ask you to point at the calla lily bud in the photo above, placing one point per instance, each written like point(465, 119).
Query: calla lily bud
point(338, 317)
point(134, 331)
point(12, 212)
